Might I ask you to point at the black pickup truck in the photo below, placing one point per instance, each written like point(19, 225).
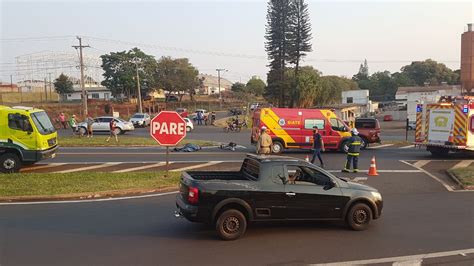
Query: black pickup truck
point(269, 188)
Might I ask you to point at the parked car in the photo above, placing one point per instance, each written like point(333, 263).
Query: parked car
point(273, 188)
point(189, 124)
point(101, 124)
point(140, 120)
point(369, 130)
point(183, 112)
point(412, 125)
point(387, 118)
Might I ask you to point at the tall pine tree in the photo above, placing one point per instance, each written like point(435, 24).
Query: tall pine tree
point(277, 47)
point(299, 39)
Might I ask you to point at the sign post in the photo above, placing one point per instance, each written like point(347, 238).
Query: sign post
point(168, 129)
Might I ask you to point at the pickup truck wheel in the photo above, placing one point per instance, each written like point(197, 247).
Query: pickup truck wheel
point(277, 147)
point(9, 163)
point(231, 225)
point(359, 217)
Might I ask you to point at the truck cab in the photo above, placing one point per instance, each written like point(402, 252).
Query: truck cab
point(26, 136)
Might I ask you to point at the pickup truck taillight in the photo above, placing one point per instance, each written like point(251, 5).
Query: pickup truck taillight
point(193, 195)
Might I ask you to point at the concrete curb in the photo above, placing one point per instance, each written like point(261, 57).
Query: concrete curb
point(455, 179)
point(88, 196)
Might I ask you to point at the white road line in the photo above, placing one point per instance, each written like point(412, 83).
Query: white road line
point(139, 168)
point(381, 146)
point(196, 166)
point(42, 166)
point(421, 163)
point(448, 187)
point(408, 263)
point(382, 171)
point(88, 200)
point(462, 164)
point(86, 168)
point(407, 147)
point(402, 258)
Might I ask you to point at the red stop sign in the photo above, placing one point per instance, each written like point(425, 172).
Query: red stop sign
point(168, 128)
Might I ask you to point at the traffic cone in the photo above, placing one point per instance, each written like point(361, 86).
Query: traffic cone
point(373, 168)
point(307, 158)
point(451, 137)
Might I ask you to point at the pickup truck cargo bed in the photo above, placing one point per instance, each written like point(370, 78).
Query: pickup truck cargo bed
point(217, 175)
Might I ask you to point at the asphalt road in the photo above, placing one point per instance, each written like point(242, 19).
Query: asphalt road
point(420, 216)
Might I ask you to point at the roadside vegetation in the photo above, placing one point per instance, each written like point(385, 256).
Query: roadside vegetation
point(82, 184)
point(465, 175)
point(99, 141)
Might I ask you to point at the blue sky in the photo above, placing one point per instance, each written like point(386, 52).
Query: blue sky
point(388, 34)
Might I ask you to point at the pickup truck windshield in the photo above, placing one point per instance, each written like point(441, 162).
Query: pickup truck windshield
point(43, 123)
point(251, 168)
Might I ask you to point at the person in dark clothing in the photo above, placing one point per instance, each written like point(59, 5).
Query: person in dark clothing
point(318, 146)
point(353, 152)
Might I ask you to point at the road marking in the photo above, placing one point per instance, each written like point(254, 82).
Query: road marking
point(196, 166)
point(402, 258)
point(462, 164)
point(139, 168)
point(448, 187)
point(89, 200)
point(42, 166)
point(86, 168)
point(421, 163)
point(382, 171)
point(408, 263)
point(407, 147)
point(381, 146)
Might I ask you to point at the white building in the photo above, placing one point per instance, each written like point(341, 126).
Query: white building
point(94, 93)
point(355, 96)
point(211, 84)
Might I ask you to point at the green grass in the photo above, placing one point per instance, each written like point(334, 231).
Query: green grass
point(465, 175)
point(54, 184)
point(99, 141)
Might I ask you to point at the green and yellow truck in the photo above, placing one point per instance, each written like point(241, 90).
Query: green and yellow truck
point(27, 135)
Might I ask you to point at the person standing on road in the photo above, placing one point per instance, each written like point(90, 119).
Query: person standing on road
point(353, 152)
point(199, 117)
point(213, 117)
point(264, 142)
point(90, 121)
point(112, 127)
point(62, 120)
point(73, 124)
point(318, 146)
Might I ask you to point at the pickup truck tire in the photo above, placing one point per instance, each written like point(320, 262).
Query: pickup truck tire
point(231, 225)
point(9, 163)
point(359, 217)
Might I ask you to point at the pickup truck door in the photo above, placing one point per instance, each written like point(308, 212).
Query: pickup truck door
point(270, 199)
point(306, 197)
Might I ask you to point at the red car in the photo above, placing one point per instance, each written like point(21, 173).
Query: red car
point(369, 130)
point(183, 112)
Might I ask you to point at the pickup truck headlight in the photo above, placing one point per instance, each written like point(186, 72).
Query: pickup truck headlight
point(376, 195)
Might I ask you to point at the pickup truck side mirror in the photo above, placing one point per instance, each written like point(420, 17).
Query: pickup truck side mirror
point(330, 184)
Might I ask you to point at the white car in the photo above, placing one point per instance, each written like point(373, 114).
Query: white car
point(189, 124)
point(140, 120)
point(101, 124)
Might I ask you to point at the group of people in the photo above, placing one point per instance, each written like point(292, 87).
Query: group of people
point(74, 125)
point(207, 119)
point(354, 143)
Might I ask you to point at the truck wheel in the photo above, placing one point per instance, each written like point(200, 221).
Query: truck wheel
point(277, 147)
point(359, 217)
point(9, 163)
point(231, 225)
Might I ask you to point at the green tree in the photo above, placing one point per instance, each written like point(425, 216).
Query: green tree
point(430, 71)
point(363, 73)
point(299, 39)
point(177, 76)
point(237, 87)
point(255, 86)
point(120, 72)
point(277, 47)
point(332, 87)
point(63, 85)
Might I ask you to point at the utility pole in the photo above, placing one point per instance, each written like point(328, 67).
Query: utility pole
point(219, 85)
point(45, 91)
point(81, 62)
point(50, 90)
point(140, 107)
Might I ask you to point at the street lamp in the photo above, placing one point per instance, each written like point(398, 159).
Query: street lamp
point(140, 107)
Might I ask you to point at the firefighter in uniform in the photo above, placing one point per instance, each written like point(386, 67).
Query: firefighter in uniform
point(264, 142)
point(353, 152)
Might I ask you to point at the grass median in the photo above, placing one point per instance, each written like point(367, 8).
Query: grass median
point(83, 184)
point(465, 175)
point(99, 141)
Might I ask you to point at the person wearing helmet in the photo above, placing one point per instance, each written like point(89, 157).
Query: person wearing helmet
point(353, 152)
point(264, 142)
